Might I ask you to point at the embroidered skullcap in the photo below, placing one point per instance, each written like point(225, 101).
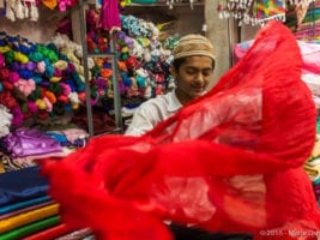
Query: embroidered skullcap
point(193, 44)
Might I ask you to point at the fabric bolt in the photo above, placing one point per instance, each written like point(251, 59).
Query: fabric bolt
point(28, 217)
point(31, 160)
point(50, 233)
point(10, 165)
point(24, 210)
point(24, 204)
point(72, 134)
point(26, 230)
point(257, 124)
point(30, 185)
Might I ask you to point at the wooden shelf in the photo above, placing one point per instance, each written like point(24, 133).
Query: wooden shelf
point(165, 5)
point(184, 4)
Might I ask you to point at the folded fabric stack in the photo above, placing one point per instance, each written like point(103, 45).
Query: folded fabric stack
point(25, 147)
point(26, 210)
point(25, 207)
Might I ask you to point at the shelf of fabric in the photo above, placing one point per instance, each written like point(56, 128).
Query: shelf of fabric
point(158, 3)
point(165, 5)
point(79, 34)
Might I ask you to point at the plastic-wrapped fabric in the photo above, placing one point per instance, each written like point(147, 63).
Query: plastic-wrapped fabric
point(25, 142)
point(230, 161)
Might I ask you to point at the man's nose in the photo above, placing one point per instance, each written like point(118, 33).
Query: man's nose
point(200, 77)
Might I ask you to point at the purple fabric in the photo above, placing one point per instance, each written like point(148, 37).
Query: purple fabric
point(29, 142)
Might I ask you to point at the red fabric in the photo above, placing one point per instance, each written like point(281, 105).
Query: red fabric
point(230, 161)
point(50, 233)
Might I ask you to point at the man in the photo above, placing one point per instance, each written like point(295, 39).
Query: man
point(192, 69)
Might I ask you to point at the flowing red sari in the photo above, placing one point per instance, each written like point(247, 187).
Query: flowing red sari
point(230, 161)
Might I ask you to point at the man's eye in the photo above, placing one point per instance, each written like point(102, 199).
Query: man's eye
point(191, 71)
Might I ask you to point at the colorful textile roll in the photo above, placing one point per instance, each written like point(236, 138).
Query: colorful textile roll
point(25, 210)
point(29, 217)
point(22, 185)
point(30, 229)
point(50, 233)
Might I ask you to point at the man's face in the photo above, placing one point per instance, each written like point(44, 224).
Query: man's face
point(193, 77)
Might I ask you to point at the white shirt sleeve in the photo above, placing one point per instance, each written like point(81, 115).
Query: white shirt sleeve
point(151, 113)
point(141, 123)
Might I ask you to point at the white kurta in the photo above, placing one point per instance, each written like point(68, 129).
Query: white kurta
point(152, 112)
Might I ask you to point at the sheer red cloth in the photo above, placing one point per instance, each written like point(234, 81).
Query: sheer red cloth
point(230, 161)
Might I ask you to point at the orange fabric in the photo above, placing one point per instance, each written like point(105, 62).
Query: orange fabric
point(51, 4)
point(230, 161)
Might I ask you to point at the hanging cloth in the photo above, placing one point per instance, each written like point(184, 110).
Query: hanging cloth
point(110, 16)
point(266, 10)
point(230, 161)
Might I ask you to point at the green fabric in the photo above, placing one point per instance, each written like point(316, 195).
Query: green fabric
point(18, 233)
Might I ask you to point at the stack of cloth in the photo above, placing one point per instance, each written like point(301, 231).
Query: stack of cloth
point(27, 211)
point(25, 207)
point(25, 147)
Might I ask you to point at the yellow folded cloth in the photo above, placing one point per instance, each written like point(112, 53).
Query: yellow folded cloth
point(28, 217)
